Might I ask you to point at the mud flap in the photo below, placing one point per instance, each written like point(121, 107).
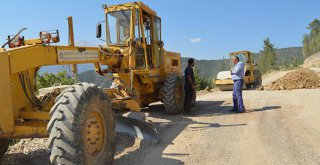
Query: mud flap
point(138, 128)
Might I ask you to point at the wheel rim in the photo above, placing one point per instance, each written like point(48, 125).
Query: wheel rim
point(94, 133)
point(178, 94)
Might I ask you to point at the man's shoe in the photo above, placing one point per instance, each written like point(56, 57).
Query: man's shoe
point(232, 110)
point(240, 111)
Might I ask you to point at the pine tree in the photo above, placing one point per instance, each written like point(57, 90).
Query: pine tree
point(267, 60)
point(201, 83)
point(311, 41)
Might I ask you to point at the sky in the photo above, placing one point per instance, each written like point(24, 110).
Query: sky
point(203, 29)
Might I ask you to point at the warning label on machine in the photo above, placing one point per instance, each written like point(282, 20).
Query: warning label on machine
point(75, 55)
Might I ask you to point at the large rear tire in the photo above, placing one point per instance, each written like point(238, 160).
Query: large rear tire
point(173, 95)
point(82, 127)
point(4, 145)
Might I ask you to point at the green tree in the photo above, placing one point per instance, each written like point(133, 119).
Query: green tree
point(267, 60)
point(311, 41)
point(49, 79)
point(201, 83)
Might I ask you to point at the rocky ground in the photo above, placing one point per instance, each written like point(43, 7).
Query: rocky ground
point(280, 127)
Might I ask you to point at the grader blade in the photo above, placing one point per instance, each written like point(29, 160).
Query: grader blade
point(137, 128)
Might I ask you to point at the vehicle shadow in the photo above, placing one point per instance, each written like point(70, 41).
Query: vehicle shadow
point(209, 108)
point(169, 128)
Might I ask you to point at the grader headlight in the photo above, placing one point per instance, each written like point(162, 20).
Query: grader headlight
point(49, 36)
point(45, 37)
point(17, 42)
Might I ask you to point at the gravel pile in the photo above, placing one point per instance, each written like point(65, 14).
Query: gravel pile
point(27, 151)
point(300, 79)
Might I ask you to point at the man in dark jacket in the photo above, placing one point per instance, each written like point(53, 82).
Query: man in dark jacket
point(189, 85)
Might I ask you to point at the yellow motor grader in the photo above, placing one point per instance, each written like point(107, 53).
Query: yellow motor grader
point(78, 119)
point(252, 76)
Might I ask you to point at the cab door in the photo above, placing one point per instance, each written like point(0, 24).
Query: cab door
point(156, 41)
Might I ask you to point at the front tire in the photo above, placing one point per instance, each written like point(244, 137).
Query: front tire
point(82, 127)
point(173, 95)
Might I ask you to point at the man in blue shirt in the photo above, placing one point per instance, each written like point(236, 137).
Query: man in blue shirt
point(237, 76)
point(189, 85)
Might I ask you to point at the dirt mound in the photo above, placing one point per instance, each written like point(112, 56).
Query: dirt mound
point(300, 79)
point(312, 61)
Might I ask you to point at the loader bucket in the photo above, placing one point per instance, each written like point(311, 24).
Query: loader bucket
point(138, 128)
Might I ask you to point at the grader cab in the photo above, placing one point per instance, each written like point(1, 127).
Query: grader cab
point(78, 119)
point(143, 70)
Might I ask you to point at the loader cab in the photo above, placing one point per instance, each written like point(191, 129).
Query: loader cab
point(135, 25)
point(152, 39)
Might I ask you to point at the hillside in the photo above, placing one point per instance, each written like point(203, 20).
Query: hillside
point(207, 69)
point(92, 77)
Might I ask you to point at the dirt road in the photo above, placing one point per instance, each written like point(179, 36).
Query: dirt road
point(281, 127)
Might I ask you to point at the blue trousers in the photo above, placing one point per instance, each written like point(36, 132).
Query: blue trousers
point(237, 96)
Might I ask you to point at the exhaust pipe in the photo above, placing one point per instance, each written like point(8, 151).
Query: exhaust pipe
point(74, 67)
point(70, 27)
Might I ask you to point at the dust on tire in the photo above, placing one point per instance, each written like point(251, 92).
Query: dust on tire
point(66, 138)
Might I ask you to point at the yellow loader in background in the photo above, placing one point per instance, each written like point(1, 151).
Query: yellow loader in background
point(78, 119)
point(252, 77)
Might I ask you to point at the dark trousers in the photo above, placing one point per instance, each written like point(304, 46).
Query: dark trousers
point(188, 98)
point(237, 96)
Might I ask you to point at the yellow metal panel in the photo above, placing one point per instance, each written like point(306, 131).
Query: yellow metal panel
point(34, 129)
point(172, 63)
point(223, 82)
point(35, 115)
point(35, 56)
point(77, 55)
point(31, 57)
point(6, 111)
point(19, 99)
point(126, 104)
